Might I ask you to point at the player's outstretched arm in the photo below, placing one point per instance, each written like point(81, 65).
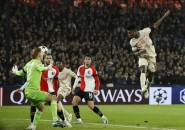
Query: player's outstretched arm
point(158, 22)
point(40, 67)
point(17, 72)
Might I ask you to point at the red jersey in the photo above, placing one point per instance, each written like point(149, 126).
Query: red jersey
point(89, 78)
point(49, 80)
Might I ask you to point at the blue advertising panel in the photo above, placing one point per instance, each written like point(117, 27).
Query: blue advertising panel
point(178, 94)
point(126, 95)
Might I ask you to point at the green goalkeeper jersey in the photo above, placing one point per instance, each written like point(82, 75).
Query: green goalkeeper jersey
point(33, 70)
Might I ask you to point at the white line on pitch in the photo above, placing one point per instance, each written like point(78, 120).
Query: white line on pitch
point(132, 126)
point(113, 125)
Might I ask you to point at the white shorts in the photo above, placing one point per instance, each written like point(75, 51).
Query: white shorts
point(149, 62)
point(64, 91)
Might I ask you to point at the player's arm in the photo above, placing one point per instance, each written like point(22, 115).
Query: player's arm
point(56, 82)
point(77, 79)
point(97, 82)
point(139, 52)
point(72, 74)
point(75, 84)
point(57, 72)
point(40, 67)
point(17, 72)
point(158, 22)
point(136, 50)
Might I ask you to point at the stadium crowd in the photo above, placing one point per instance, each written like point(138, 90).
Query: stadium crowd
point(70, 31)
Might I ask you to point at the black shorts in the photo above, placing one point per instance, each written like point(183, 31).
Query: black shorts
point(52, 93)
point(88, 96)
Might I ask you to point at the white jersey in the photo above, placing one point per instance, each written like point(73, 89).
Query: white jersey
point(143, 42)
point(65, 76)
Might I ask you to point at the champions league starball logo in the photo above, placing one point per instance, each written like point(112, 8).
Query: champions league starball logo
point(182, 96)
point(160, 96)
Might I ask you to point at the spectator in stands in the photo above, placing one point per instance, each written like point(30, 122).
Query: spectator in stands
point(70, 30)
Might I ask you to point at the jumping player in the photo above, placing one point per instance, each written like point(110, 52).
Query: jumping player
point(143, 47)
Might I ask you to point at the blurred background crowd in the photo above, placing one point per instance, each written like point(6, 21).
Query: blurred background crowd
point(71, 28)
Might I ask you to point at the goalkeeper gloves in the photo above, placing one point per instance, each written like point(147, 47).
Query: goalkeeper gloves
point(14, 69)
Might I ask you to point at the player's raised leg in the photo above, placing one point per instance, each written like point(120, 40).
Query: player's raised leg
point(143, 65)
point(151, 71)
point(38, 98)
point(150, 76)
point(143, 78)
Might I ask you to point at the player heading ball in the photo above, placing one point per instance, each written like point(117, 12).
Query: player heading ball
point(143, 48)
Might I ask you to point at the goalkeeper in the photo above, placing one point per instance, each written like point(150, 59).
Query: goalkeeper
point(33, 70)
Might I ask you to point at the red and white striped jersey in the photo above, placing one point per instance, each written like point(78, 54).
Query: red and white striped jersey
point(89, 78)
point(49, 81)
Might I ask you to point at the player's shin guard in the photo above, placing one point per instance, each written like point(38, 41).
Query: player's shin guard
point(61, 115)
point(97, 111)
point(37, 117)
point(54, 110)
point(32, 113)
point(143, 81)
point(66, 113)
point(76, 111)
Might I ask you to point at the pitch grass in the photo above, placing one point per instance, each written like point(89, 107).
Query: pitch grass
point(121, 117)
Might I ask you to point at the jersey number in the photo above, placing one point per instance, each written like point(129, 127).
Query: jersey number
point(90, 95)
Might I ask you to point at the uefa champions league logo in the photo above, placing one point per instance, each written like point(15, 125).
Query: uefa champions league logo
point(160, 96)
point(182, 96)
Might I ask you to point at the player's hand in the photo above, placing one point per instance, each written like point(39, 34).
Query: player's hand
point(95, 92)
point(18, 90)
point(14, 69)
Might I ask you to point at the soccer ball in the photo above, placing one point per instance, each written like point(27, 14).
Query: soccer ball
point(44, 49)
point(160, 95)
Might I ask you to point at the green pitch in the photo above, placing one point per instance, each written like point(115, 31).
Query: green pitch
point(121, 117)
